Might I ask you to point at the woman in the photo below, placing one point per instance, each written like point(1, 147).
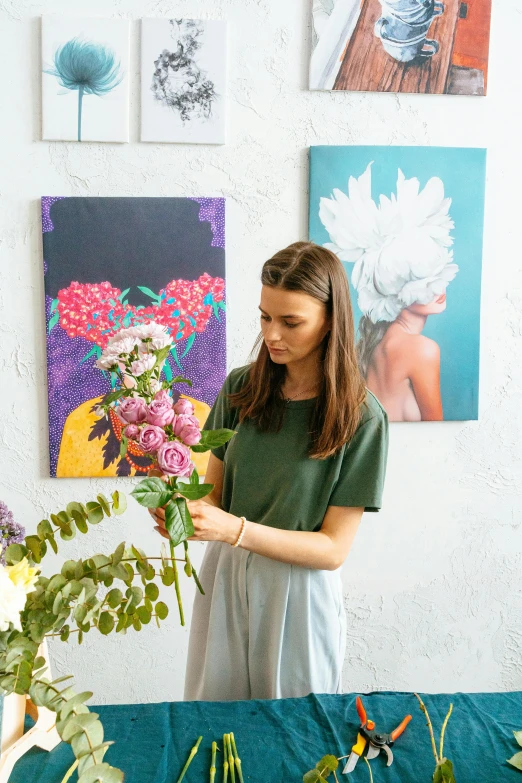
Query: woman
point(402, 366)
point(400, 247)
point(308, 457)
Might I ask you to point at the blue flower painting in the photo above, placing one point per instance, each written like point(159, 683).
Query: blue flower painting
point(85, 59)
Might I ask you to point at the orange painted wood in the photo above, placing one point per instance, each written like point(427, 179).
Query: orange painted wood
point(366, 66)
point(471, 48)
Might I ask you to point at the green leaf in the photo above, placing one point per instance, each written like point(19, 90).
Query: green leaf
point(106, 623)
point(76, 724)
point(44, 529)
point(104, 503)
point(53, 320)
point(94, 512)
point(114, 598)
point(178, 521)
point(195, 491)
point(80, 521)
point(168, 577)
point(313, 776)
point(113, 396)
point(162, 610)
point(35, 546)
point(54, 305)
point(516, 760)
point(444, 772)
point(124, 445)
point(65, 633)
point(518, 737)
point(143, 614)
point(161, 355)
point(119, 502)
point(90, 737)
point(15, 552)
point(152, 493)
point(68, 533)
point(212, 439)
point(118, 553)
point(150, 293)
point(329, 763)
point(152, 591)
point(102, 773)
point(134, 596)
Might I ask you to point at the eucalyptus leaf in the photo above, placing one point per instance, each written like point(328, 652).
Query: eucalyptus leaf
point(119, 502)
point(114, 597)
point(518, 737)
point(104, 503)
point(102, 773)
point(162, 610)
point(313, 776)
point(152, 591)
point(94, 512)
point(77, 724)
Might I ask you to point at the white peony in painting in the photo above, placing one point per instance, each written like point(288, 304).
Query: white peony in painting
point(408, 226)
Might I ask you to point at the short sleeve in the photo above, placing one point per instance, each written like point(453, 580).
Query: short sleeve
point(363, 467)
point(219, 417)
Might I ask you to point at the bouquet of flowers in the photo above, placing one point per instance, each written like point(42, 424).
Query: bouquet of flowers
point(165, 430)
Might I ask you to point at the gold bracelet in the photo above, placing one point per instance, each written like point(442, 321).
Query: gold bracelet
point(241, 532)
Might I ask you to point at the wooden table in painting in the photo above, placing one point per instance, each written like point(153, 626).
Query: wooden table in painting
point(366, 66)
point(280, 740)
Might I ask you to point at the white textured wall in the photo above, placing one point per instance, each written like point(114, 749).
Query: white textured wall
point(433, 583)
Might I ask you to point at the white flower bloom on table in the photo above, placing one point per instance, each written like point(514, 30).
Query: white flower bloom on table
point(143, 365)
point(400, 247)
point(15, 582)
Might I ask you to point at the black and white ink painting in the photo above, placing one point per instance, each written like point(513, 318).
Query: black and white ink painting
point(183, 80)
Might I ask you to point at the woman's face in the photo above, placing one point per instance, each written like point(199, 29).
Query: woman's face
point(292, 321)
point(437, 306)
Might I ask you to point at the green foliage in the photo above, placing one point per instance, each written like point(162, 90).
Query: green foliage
point(322, 770)
point(212, 439)
point(516, 760)
point(444, 772)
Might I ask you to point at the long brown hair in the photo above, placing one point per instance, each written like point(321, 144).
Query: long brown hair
point(314, 270)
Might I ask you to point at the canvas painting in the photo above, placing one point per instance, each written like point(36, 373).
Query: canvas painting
point(85, 79)
point(112, 263)
point(183, 80)
point(426, 46)
point(407, 224)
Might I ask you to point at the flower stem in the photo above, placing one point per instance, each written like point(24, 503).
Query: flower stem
point(80, 102)
point(198, 583)
point(176, 584)
point(429, 724)
point(369, 768)
point(443, 730)
point(225, 757)
point(70, 771)
point(231, 760)
point(191, 756)
point(213, 764)
point(236, 757)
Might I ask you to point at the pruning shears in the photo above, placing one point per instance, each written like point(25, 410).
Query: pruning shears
point(376, 741)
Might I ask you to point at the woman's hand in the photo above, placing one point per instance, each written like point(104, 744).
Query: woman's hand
point(210, 522)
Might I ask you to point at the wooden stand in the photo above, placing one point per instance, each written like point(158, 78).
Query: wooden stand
point(14, 743)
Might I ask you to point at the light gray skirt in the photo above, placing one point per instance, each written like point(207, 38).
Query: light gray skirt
point(264, 629)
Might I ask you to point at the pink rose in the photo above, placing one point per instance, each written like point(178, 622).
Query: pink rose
point(160, 412)
point(190, 435)
point(163, 395)
point(181, 421)
point(151, 438)
point(174, 459)
point(131, 431)
point(183, 407)
point(132, 410)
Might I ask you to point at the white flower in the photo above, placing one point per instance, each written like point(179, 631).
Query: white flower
point(107, 360)
point(15, 582)
point(122, 343)
point(399, 248)
point(142, 365)
point(147, 331)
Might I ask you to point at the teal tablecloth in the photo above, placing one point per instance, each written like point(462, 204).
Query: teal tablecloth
point(280, 740)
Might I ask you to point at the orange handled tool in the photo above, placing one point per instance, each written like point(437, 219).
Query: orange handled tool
point(376, 741)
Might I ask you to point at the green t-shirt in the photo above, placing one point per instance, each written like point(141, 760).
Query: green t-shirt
point(268, 477)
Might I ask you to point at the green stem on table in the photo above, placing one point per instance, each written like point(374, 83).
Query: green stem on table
point(70, 771)
point(191, 756)
point(225, 756)
point(236, 757)
point(176, 584)
point(443, 731)
point(231, 760)
point(369, 769)
point(430, 727)
point(213, 764)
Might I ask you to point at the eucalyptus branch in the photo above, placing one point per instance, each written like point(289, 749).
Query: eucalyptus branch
point(444, 730)
point(430, 726)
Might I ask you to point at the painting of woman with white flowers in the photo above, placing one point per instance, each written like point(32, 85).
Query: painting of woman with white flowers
point(407, 224)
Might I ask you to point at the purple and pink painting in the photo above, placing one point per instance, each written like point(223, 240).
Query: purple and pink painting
point(111, 263)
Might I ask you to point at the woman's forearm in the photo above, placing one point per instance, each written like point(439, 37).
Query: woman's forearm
point(296, 547)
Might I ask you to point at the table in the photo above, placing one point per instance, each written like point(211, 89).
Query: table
point(280, 740)
point(366, 66)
